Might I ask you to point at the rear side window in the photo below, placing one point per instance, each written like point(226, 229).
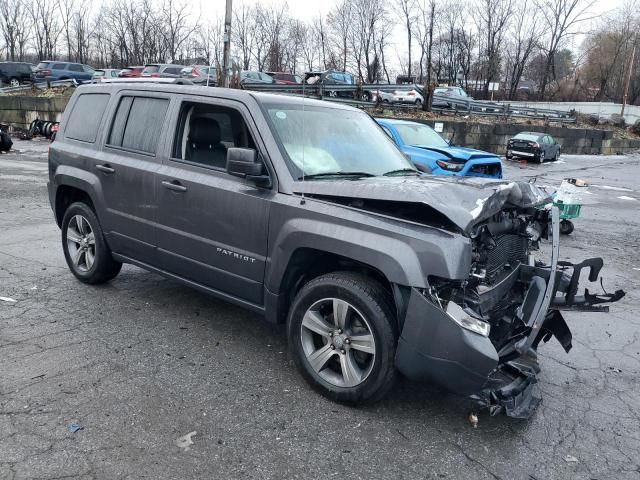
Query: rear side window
point(86, 116)
point(75, 68)
point(137, 123)
point(58, 66)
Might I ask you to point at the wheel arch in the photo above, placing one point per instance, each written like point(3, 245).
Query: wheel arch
point(72, 185)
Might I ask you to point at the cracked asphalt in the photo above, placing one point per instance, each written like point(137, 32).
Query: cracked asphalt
point(142, 361)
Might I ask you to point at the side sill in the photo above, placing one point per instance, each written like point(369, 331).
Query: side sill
point(210, 291)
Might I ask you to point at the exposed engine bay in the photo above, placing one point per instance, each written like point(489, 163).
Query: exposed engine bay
point(511, 298)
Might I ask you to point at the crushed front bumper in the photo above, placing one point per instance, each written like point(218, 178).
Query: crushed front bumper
point(433, 347)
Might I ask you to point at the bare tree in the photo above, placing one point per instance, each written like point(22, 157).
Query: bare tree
point(561, 18)
point(492, 17)
point(407, 9)
point(14, 24)
point(46, 26)
point(523, 40)
point(177, 27)
point(244, 33)
point(340, 22)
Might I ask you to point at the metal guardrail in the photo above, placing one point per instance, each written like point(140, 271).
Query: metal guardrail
point(41, 85)
point(456, 106)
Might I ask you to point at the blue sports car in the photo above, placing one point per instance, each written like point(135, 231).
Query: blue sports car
point(433, 154)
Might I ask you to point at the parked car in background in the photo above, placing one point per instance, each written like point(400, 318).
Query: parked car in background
point(385, 97)
point(408, 95)
point(51, 71)
point(131, 72)
point(201, 75)
point(14, 74)
point(454, 93)
point(433, 154)
point(162, 70)
point(533, 146)
point(106, 73)
point(328, 78)
point(284, 78)
point(247, 76)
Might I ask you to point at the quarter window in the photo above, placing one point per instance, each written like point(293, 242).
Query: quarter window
point(85, 117)
point(137, 123)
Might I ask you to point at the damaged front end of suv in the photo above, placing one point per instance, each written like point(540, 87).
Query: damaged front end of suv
point(479, 336)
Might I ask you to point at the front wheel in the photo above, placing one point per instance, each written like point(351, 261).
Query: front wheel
point(342, 335)
point(418, 103)
point(540, 157)
point(85, 249)
point(14, 82)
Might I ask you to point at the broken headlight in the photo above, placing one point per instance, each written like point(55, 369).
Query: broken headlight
point(466, 320)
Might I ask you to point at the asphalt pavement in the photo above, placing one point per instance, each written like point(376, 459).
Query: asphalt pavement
point(109, 382)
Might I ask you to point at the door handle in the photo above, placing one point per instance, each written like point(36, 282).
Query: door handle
point(175, 186)
point(106, 168)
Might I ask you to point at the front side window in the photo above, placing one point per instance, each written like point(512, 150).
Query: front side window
point(137, 123)
point(75, 68)
point(417, 134)
point(205, 133)
point(85, 117)
point(325, 140)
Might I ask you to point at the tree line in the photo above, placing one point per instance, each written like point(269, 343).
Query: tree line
point(528, 48)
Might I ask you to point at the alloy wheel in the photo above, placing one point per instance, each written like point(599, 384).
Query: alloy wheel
point(338, 342)
point(14, 82)
point(81, 243)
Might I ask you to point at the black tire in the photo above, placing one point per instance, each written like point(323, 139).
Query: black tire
point(366, 97)
point(418, 103)
point(369, 301)
point(14, 82)
point(540, 157)
point(103, 267)
point(566, 227)
point(557, 156)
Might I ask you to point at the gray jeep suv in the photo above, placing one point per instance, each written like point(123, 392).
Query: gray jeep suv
point(306, 212)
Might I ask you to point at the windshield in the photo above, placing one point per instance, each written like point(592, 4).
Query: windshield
point(324, 140)
point(418, 134)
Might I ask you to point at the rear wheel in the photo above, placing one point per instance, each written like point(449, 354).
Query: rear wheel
point(342, 336)
point(557, 156)
point(366, 97)
point(85, 249)
point(418, 102)
point(14, 82)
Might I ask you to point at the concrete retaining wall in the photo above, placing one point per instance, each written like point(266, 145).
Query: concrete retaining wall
point(21, 111)
point(494, 137)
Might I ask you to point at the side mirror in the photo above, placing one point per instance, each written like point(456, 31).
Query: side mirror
point(244, 162)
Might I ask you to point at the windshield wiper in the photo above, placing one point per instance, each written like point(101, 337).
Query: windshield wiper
point(400, 171)
point(337, 174)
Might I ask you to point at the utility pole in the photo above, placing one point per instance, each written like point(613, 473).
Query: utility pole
point(227, 45)
point(628, 81)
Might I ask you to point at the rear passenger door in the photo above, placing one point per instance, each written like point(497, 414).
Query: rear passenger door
point(127, 168)
point(214, 226)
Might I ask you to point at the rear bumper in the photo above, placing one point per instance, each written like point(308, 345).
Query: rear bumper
point(434, 347)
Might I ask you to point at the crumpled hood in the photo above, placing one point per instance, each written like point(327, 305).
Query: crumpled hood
point(459, 153)
point(465, 201)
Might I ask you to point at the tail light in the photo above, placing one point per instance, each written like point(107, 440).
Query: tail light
point(448, 94)
point(155, 75)
point(411, 94)
point(45, 72)
point(194, 72)
point(450, 166)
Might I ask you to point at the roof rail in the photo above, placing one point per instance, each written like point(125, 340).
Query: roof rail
point(170, 81)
